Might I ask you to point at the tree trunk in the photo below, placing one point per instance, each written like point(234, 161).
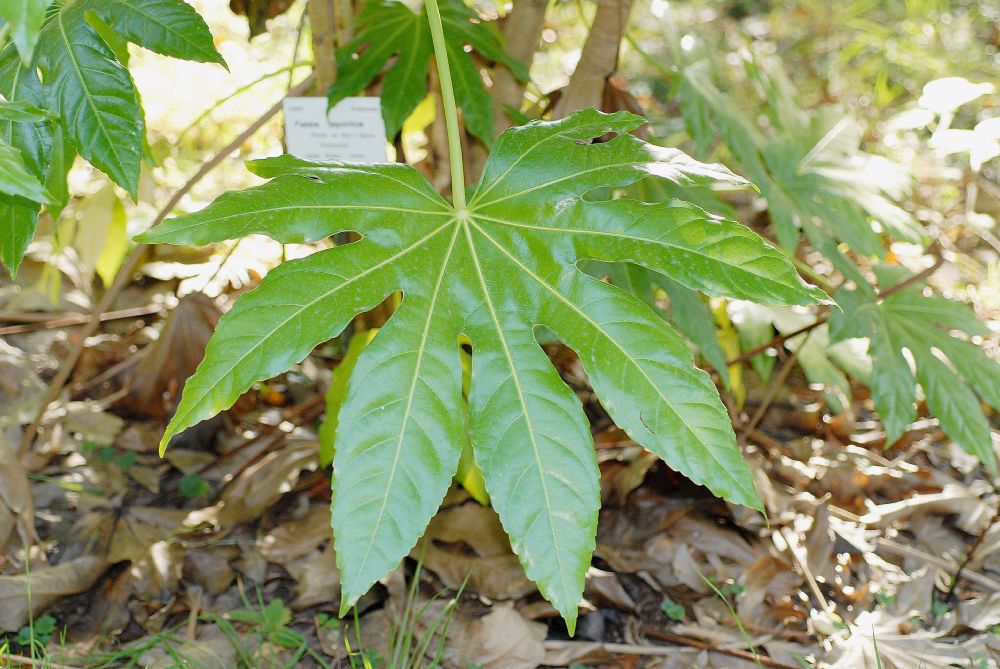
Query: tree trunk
point(599, 59)
point(522, 29)
point(521, 32)
point(323, 24)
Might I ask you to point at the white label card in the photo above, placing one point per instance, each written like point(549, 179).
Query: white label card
point(352, 131)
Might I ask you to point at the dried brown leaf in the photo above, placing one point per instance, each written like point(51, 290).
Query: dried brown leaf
point(297, 538)
point(155, 383)
point(16, 513)
point(209, 569)
point(261, 484)
point(20, 388)
point(47, 586)
point(468, 540)
point(605, 588)
point(503, 639)
point(878, 639)
point(317, 580)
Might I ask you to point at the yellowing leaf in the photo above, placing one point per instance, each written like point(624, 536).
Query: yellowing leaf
point(421, 117)
point(100, 236)
point(335, 394)
point(729, 341)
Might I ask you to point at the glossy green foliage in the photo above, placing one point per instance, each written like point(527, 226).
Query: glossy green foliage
point(388, 28)
point(808, 164)
point(91, 90)
point(335, 394)
point(85, 87)
point(818, 182)
point(687, 310)
point(22, 112)
point(28, 140)
point(16, 178)
point(25, 18)
point(494, 272)
point(954, 373)
point(468, 474)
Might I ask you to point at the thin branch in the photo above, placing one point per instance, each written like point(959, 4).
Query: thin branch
point(31, 662)
point(918, 277)
point(109, 373)
point(80, 319)
point(219, 157)
point(134, 261)
point(970, 555)
point(777, 381)
point(36, 316)
point(704, 645)
point(915, 278)
point(779, 340)
point(222, 263)
point(239, 91)
point(902, 550)
point(612, 648)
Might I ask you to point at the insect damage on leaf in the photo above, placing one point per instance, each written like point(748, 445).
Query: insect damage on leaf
point(492, 272)
point(390, 28)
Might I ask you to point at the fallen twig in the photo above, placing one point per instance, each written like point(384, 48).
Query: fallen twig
point(970, 555)
point(800, 560)
point(30, 662)
point(704, 645)
point(34, 316)
point(81, 319)
point(908, 551)
point(613, 648)
point(109, 373)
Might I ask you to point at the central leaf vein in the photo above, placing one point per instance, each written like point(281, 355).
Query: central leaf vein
point(408, 411)
point(549, 511)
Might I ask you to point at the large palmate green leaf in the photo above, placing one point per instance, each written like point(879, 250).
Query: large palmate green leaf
point(952, 371)
point(688, 312)
point(390, 28)
point(808, 164)
point(494, 272)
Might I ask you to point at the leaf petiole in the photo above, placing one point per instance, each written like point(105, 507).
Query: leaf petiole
point(448, 102)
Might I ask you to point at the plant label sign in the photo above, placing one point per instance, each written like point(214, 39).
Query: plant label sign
point(351, 131)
